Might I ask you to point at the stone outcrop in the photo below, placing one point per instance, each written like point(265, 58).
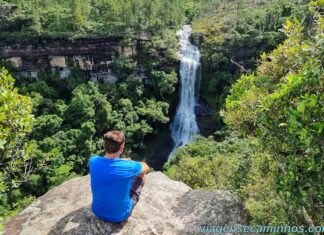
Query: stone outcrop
point(93, 56)
point(165, 207)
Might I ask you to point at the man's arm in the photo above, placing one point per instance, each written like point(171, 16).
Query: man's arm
point(145, 168)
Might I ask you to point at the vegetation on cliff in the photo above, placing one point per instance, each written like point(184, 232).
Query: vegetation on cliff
point(15, 123)
point(82, 18)
point(272, 155)
point(232, 35)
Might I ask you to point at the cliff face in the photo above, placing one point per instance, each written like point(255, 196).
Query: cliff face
point(165, 207)
point(61, 55)
point(93, 56)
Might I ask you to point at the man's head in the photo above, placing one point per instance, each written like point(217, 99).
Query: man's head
point(114, 142)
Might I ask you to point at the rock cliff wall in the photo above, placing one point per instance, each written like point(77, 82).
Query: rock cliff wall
point(90, 55)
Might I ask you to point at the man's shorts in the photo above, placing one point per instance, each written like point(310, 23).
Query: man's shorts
point(136, 189)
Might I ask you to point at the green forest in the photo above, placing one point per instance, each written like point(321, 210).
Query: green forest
point(262, 76)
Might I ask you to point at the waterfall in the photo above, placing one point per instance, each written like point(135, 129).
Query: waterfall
point(184, 126)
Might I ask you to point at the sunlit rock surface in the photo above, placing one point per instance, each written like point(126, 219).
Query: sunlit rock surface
point(165, 207)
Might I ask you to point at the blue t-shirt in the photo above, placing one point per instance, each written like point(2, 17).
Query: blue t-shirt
point(111, 181)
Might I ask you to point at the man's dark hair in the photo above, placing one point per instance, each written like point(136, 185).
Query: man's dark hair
point(113, 140)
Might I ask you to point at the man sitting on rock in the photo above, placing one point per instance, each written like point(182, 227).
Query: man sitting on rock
point(116, 182)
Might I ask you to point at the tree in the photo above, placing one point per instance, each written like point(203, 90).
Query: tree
point(163, 83)
point(46, 125)
point(88, 104)
point(15, 118)
point(153, 111)
point(15, 123)
point(283, 106)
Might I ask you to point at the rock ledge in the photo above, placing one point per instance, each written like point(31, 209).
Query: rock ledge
point(165, 207)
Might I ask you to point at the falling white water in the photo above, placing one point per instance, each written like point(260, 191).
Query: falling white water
point(184, 126)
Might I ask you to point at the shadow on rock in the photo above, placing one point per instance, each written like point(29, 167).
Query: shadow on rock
point(83, 221)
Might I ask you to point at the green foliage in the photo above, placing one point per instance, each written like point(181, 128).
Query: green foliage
point(15, 115)
point(233, 34)
point(35, 184)
point(163, 83)
point(283, 106)
point(46, 125)
point(153, 111)
point(15, 162)
point(88, 104)
point(41, 87)
point(260, 193)
point(209, 164)
point(81, 18)
point(122, 66)
point(137, 121)
point(236, 164)
point(60, 174)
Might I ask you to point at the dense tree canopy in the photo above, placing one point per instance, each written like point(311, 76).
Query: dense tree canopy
point(232, 35)
point(283, 105)
point(16, 162)
point(79, 18)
